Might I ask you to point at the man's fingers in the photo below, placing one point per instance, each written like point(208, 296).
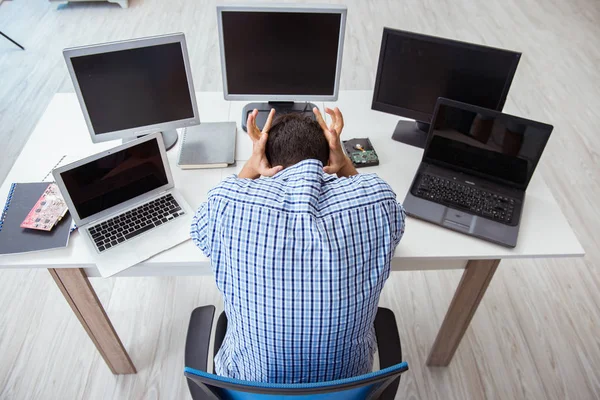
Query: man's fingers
point(271, 171)
point(267, 126)
point(249, 122)
point(330, 112)
point(333, 117)
point(254, 113)
point(329, 169)
point(339, 119)
point(261, 143)
point(331, 136)
point(320, 119)
point(251, 125)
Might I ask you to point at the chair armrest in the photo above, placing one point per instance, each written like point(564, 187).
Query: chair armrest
point(198, 338)
point(388, 344)
point(388, 339)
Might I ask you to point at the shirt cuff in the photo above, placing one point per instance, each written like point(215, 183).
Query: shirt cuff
point(200, 228)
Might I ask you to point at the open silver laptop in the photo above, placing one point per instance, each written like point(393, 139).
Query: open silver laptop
point(124, 203)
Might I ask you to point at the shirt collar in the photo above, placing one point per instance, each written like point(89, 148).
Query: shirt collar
point(302, 169)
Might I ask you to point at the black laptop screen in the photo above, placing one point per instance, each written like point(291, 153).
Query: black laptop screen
point(495, 146)
point(115, 178)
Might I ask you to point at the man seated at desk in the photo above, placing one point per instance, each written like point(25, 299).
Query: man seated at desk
point(299, 255)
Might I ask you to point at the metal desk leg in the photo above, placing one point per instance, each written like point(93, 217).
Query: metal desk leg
point(75, 286)
point(21, 47)
point(470, 291)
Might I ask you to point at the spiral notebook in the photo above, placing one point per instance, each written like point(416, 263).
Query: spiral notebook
point(208, 145)
point(13, 238)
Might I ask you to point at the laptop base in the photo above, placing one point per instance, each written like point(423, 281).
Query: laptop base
point(461, 220)
point(143, 246)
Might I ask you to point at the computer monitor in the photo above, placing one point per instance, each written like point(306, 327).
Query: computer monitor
point(276, 55)
point(414, 70)
point(135, 87)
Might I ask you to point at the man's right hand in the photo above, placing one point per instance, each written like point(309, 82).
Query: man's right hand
point(338, 163)
point(258, 164)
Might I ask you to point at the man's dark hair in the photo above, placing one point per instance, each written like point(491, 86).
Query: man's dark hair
point(293, 138)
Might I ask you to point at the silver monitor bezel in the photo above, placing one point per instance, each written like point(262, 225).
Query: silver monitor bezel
point(122, 206)
point(128, 45)
point(317, 8)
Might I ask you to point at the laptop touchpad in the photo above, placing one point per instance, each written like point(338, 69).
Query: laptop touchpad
point(458, 220)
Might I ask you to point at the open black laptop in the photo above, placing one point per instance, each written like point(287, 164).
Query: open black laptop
point(475, 168)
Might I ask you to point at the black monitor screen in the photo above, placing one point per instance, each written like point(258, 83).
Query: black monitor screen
point(280, 53)
point(414, 70)
point(502, 148)
point(134, 88)
point(115, 178)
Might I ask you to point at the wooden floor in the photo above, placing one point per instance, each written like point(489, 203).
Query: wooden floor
point(536, 334)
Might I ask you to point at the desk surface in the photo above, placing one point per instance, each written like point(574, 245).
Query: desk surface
point(62, 131)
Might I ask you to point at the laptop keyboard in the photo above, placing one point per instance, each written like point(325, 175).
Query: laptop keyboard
point(135, 221)
point(463, 196)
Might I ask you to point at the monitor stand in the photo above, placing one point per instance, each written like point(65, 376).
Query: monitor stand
point(413, 133)
point(281, 107)
point(169, 137)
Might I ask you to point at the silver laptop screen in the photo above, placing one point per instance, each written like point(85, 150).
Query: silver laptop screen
point(115, 178)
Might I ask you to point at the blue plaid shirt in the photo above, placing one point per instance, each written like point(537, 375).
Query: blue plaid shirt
point(300, 259)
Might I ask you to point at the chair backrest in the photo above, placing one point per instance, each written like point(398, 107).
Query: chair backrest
point(368, 386)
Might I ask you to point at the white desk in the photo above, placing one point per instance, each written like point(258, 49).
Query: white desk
point(62, 131)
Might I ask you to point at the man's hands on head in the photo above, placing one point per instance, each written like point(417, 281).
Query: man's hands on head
point(258, 164)
point(339, 163)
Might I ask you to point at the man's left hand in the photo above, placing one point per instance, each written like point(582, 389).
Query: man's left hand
point(338, 163)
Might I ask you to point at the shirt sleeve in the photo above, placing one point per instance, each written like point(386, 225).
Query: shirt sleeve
point(200, 229)
point(398, 220)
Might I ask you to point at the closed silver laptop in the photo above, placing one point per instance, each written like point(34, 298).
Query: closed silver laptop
point(124, 203)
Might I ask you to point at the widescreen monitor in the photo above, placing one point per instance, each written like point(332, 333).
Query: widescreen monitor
point(414, 70)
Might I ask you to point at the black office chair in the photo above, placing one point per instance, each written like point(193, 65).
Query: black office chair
point(382, 384)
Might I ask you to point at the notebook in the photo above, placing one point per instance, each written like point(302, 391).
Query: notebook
point(13, 238)
point(208, 145)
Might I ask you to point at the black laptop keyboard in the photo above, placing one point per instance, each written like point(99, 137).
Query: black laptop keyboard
point(463, 196)
point(134, 222)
